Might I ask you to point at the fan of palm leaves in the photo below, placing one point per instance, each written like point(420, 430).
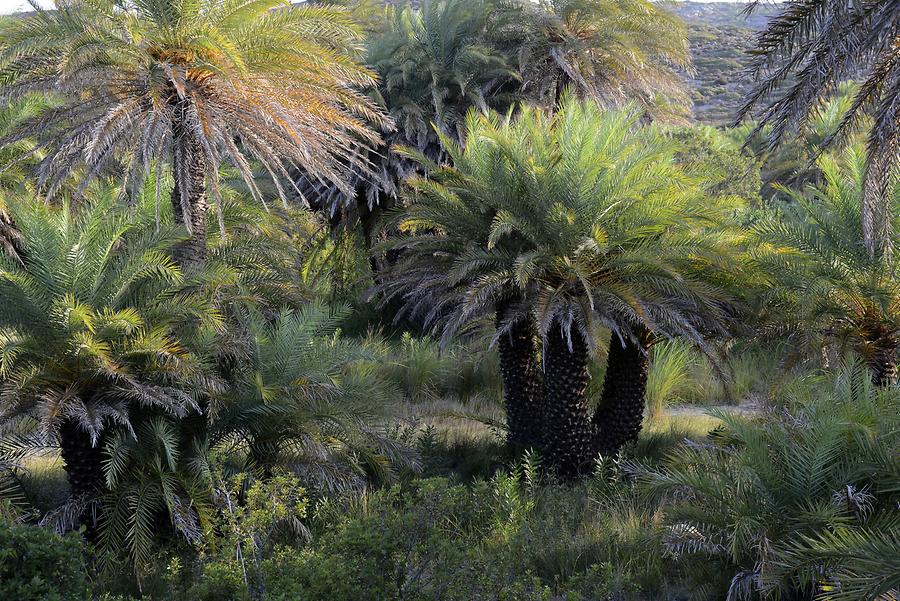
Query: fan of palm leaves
point(310, 401)
point(158, 483)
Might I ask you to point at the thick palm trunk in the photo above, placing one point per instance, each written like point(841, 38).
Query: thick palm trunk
point(82, 461)
point(522, 382)
point(568, 431)
point(83, 464)
point(620, 412)
point(189, 200)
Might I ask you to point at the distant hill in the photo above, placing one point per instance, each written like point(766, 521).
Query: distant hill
point(720, 36)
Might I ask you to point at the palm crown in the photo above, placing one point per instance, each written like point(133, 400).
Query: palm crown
point(87, 326)
point(198, 83)
point(581, 212)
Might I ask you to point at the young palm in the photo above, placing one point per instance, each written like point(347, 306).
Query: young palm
point(305, 399)
point(86, 329)
point(196, 84)
point(605, 50)
point(825, 283)
point(804, 54)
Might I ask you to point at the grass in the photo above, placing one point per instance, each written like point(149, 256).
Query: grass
point(44, 481)
point(669, 379)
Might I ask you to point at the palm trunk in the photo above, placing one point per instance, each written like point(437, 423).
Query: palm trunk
point(883, 363)
point(568, 431)
point(82, 461)
point(189, 201)
point(620, 413)
point(563, 81)
point(522, 384)
point(83, 464)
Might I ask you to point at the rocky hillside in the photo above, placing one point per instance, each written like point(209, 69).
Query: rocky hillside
point(720, 36)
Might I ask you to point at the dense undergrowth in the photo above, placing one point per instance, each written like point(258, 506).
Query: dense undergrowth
point(797, 500)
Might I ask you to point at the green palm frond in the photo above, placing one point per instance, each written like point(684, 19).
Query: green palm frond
point(823, 281)
point(792, 503)
point(583, 205)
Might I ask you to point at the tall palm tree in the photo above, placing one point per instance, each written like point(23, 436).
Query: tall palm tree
point(824, 283)
point(197, 84)
point(435, 61)
point(587, 219)
point(86, 329)
point(605, 50)
point(803, 55)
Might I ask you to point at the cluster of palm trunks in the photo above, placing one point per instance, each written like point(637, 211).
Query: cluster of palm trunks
point(546, 403)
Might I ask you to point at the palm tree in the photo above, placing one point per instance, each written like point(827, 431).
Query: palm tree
point(586, 219)
point(197, 84)
point(446, 251)
point(86, 329)
point(804, 54)
point(825, 284)
point(605, 50)
point(305, 399)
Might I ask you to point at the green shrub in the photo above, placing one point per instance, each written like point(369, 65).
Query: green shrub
point(425, 371)
point(36, 564)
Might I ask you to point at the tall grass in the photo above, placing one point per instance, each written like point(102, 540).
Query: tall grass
point(670, 375)
point(426, 372)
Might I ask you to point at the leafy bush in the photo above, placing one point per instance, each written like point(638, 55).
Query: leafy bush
point(38, 565)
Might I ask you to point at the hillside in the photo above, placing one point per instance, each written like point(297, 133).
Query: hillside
point(720, 35)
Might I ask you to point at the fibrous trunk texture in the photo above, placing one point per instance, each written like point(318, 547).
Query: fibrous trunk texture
point(83, 464)
point(189, 200)
point(883, 364)
point(522, 382)
point(568, 431)
point(620, 412)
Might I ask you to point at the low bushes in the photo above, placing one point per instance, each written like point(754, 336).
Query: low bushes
point(38, 565)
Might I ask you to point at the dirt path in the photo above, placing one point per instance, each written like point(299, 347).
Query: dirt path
point(746, 408)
